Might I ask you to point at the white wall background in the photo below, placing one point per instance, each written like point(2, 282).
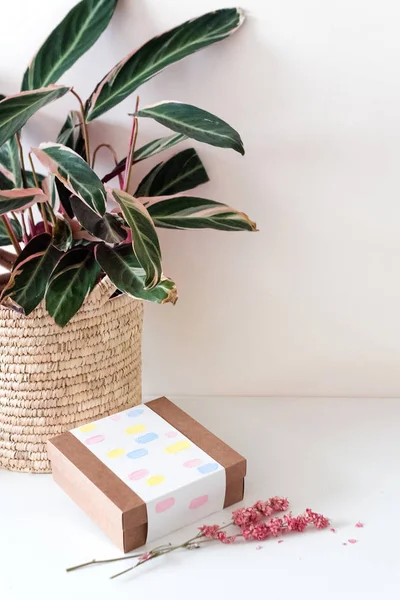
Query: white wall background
point(310, 305)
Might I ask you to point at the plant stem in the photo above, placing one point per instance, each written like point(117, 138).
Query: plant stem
point(84, 126)
point(132, 144)
point(7, 259)
point(11, 233)
point(114, 154)
point(23, 223)
point(42, 209)
point(110, 560)
point(21, 158)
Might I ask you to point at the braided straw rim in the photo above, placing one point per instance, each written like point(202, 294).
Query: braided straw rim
point(53, 379)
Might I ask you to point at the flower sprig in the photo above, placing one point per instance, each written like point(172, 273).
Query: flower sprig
point(254, 523)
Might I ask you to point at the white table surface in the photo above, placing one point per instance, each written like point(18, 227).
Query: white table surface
point(336, 456)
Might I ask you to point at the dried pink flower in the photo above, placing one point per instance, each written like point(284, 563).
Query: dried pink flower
point(210, 531)
point(264, 508)
point(226, 539)
point(319, 521)
point(275, 526)
point(279, 504)
point(359, 524)
point(243, 517)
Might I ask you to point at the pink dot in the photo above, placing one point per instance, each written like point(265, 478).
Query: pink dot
point(171, 434)
point(195, 462)
point(164, 505)
point(197, 502)
point(135, 475)
point(115, 417)
point(96, 439)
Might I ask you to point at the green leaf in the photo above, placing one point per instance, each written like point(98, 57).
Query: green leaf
point(71, 134)
point(186, 212)
point(17, 199)
point(9, 162)
point(146, 151)
point(5, 183)
point(195, 123)
point(160, 52)
point(126, 273)
point(31, 272)
point(16, 110)
point(71, 281)
point(182, 172)
point(62, 235)
point(4, 239)
point(64, 196)
point(144, 237)
point(76, 33)
point(74, 173)
point(107, 228)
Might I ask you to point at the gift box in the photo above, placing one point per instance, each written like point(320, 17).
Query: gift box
point(145, 472)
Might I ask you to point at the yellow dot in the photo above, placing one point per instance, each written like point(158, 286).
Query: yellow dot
point(174, 448)
point(155, 480)
point(87, 428)
point(115, 453)
point(135, 429)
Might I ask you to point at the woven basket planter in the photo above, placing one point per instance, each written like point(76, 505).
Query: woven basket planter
point(53, 379)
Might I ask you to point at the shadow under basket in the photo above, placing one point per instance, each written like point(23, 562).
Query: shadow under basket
point(53, 379)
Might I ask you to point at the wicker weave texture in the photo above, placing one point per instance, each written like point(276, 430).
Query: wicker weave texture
point(53, 379)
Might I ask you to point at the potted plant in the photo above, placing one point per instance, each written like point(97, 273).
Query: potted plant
point(85, 250)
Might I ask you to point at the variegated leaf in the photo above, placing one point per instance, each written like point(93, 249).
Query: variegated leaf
point(160, 52)
point(181, 172)
point(186, 212)
point(108, 228)
point(71, 134)
point(76, 33)
point(17, 199)
point(144, 237)
point(195, 123)
point(71, 281)
point(9, 162)
point(16, 110)
point(31, 272)
point(74, 173)
point(146, 151)
point(127, 274)
point(4, 239)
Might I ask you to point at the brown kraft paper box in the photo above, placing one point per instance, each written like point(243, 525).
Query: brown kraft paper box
point(114, 506)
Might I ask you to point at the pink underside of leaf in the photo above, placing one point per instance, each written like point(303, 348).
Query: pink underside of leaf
point(38, 91)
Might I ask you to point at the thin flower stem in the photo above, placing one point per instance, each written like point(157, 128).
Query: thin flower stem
point(110, 560)
point(23, 223)
point(11, 234)
point(42, 208)
point(131, 150)
point(84, 126)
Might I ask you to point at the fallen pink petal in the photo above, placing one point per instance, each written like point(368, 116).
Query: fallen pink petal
point(258, 547)
point(352, 541)
point(359, 524)
point(333, 530)
point(280, 541)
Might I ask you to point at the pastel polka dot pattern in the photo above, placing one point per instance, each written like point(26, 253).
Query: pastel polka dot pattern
point(148, 437)
point(164, 505)
point(197, 502)
point(177, 447)
point(135, 429)
point(87, 428)
point(96, 439)
point(116, 453)
point(155, 480)
point(115, 417)
point(171, 434)
point(135, 412)
point(194, 462)
point(139, 453)
point(208, 468)
point(136, 475)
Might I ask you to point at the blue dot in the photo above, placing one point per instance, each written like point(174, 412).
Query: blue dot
point(208, 468)
point(135, 412)
point(147, 437)
point(137, 453)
